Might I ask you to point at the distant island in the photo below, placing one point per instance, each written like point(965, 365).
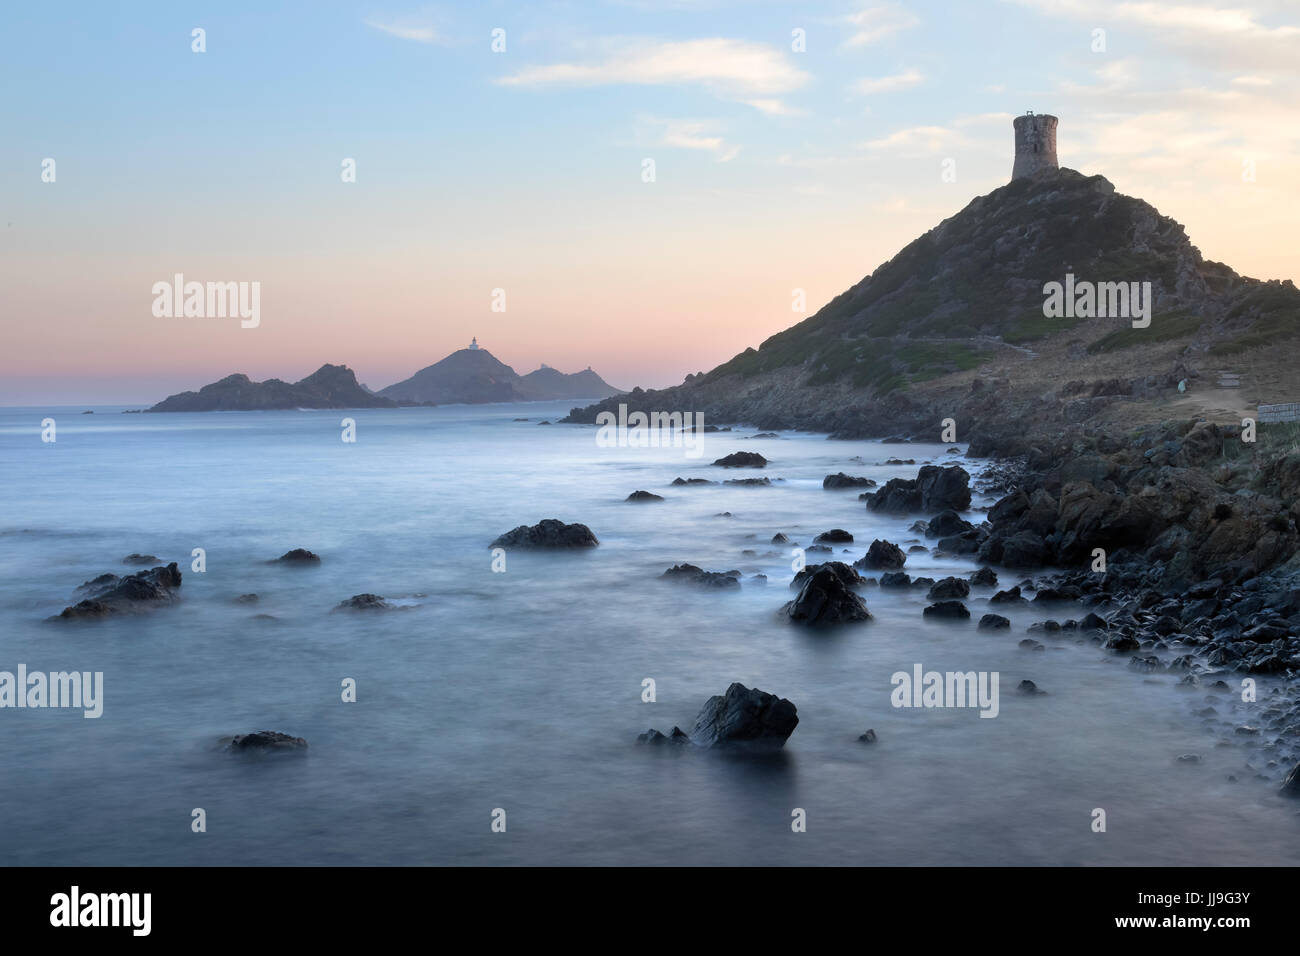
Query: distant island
point(468, 376)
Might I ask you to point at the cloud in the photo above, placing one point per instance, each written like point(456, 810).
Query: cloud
point(773, 107)
point(735, 68)
point(406, 30)
point(877, 21)
point(693, 134)
point(916, 139)
point(888, 84)
point(1223, 37)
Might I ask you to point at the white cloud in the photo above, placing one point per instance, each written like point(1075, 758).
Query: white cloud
point(737, 68)
point(689, 134)
point(916, 139)
point(877, 21)
point(406, 30)
point(888, 84)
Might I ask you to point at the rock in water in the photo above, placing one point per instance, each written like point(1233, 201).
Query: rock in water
point(949, 589)
point(110, 594)
point(934, 489)
point(265, 741)
point(826, 600)
point(947, 609)
point(742, 459)
point(834, 536)
point(745, 718)
point(644, 496)
point(364, 602)
point(841, 480)
point(549, 533)
point(298, 556)
point(691, 574)
point(882, 556)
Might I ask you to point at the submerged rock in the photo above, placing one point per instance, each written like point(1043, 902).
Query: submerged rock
point(298, 556)
point(742, 459)
point(993, 622)
point(364, 602)
point(693, 481)
point(984, 578)
point(690, 574)
point(644, 496)
point(949, 609)
point(949, 589)
point(138, 559)
point(834, 536)
point(548, 533)
point(265, 741)
point(868, 738)
point(109, 594)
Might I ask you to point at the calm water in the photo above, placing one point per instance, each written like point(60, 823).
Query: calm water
point(522, 690)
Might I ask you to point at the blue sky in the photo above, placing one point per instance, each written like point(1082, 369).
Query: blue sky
point(776, 168)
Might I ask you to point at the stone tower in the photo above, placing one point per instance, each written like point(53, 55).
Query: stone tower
point(1035, 144)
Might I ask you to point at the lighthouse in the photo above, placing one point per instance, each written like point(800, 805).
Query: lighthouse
point(1035, 144)
point(473, 344)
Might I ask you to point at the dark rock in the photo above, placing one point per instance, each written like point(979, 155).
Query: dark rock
point(841, 480)
point(364, 602)
point(993, 622)
point(741, 719)
point(949, 609)
point(549, 533)
point(869, 737)
point(935, 488)
point(247, 599)
point(882, 556)
point(109, 594)
point(138, 559)
point(265, 741)
point(693, 481)
point(949, 589)
point(690, 574)
point(1010, 596)
point(742, 459)
point(825, 600)
point(984, 578)
point(643, 496)
point(947, 524)
point(895, 579)
point(834, 536)
point(780, 538)
point(1029, 687)
point(1291, 785)
point(298, 556)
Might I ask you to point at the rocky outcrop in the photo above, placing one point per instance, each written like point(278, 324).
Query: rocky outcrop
point(882, 556)
point(110, 594)
point(825, 600)
point(935, 488)
point(841, 481)
point(690, 574)
point(644, 496)
point(742, 719)
point(298, 556)
point(546, 534)
point(364, 602)
point(330, 386)
point(742, 459)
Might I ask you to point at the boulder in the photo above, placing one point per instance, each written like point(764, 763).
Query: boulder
point(994, 622)
point(744, 718)
point(949, 609)
point(825, 600)
point(935, 488)
point(644, 496)
point(882, 556)
point(364, 602)
point(846, 574)
point(549, 533)
point(690, 574)
point(109, 594)
point(834, 536)
point(742, 459)
point(142, 559)
point(946, 524)
point(949, 589)
point(984, 578)
point(297, 556)
point(841, 480)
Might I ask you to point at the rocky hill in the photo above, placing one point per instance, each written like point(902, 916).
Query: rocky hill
point(954, 326)
point(330, 386)
point(475, 376)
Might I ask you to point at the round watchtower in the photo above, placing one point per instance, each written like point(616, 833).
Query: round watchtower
point(1035, 144)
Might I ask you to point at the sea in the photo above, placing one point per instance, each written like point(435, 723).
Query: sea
point(498, 703)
